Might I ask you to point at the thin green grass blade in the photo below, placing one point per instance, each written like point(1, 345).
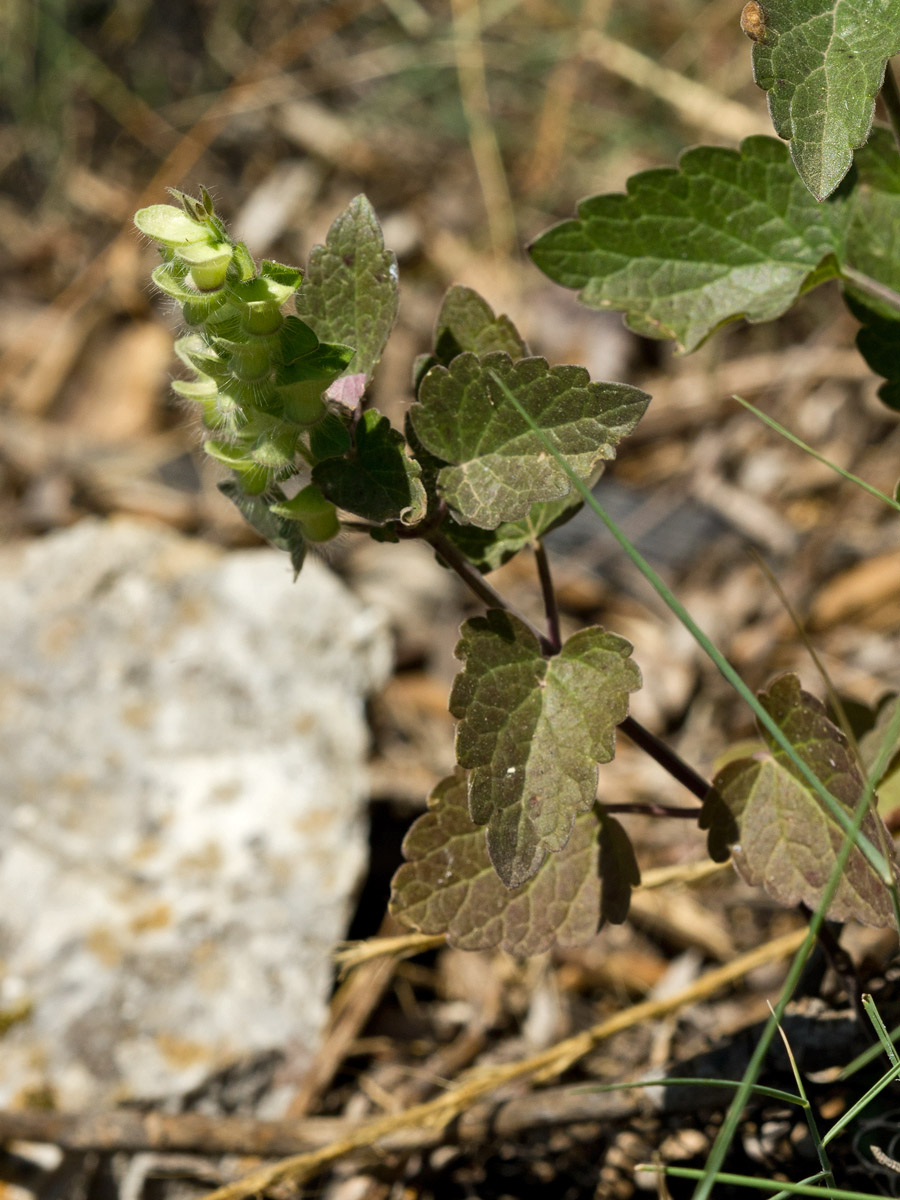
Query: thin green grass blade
point(868, 1002)
point(888, 1078)
point(818, 1141)
point(809, 1179)
point(763, 1185)
point(874, 856)
point(792, 437)
point(759, 1089)
point(863, 1060)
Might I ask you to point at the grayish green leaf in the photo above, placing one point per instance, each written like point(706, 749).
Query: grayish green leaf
point(780, 833)
point(449, 886)
point(728, 234)
point(822, 63)
point(499, 466)
point(532, 731)
point(350, 292)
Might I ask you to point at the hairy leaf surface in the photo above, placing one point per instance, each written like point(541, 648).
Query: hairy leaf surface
point(378, 481)
point(532, 731)
point(281, 532)
point(499, 465)
point(467, 322)
point(448, 884)
point(779, 831)
point(822, 63)
point(727, 234)
point(350, 292)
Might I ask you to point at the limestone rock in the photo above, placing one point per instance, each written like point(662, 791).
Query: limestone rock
point(183, 741)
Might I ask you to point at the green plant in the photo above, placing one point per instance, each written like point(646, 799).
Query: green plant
point(499, 448)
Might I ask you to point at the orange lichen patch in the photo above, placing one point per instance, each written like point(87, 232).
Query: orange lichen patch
point(312, 822)
point(209, 973)
point(159, 916)
point(138, 715)
point(146, 848)
point(180, 1052)
point(103, 944)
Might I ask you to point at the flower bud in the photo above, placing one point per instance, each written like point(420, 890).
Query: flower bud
point(317, 516)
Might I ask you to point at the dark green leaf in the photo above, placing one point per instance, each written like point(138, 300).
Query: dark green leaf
point(379, 482)
point(449, 886)
point(329, 439)
point(619, 871)
point(822, 64)
point(879, 343)
point(873, 249)
point(728, 234)
point(781, 834)
point(322, 364)
point(350, 291)
point(296, 340)
point(532, 731)
point(500, 466)
point(283, 534)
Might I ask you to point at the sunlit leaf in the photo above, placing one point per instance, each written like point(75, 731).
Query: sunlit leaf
point(448, 884)
point(499, 467)
point(780, 833)
point(350, 291)
point(822, 63)
point(532, 731)
point(727, 234)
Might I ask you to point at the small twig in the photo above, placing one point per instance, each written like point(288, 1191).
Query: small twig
point(547, 1064)
point(890, 94)
point(653, 810)
point(551, 608)
point(666, 757)
point(879, 291)
point(477, 583)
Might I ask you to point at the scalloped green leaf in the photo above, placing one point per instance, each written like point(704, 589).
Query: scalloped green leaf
point(532, 731)
point(282, 533)
point(448, 885)
point(727, 234)
point(350, 292)
point(488, 549)
point(499, 466)
point(467, 322)
point(780, 833)
point(822, 64)
point(378, 481)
